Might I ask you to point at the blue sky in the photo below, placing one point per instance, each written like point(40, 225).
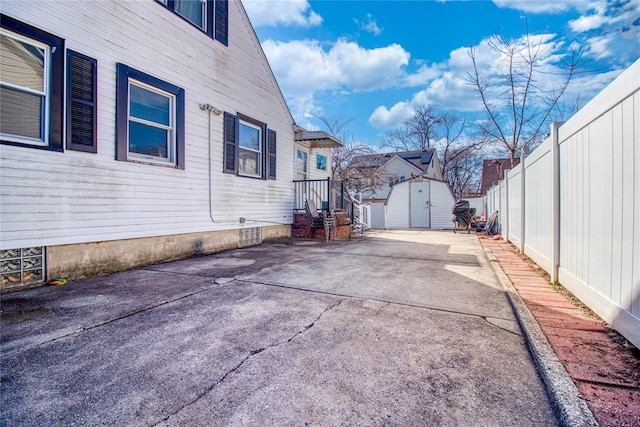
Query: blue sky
point(373, 60)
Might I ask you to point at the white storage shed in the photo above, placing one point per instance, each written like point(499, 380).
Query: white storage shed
point(420, 203)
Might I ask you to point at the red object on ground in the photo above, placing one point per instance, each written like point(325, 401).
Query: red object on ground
point(606, 373)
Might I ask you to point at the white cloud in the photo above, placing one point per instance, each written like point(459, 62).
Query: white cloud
point(587, 22)
point(447, 84)
point(605, 14)
point(538, 6)
point(281, 12)
point(370, 25)
point(384, 118)
point(610, 30)
point(307, 66)
point(424, 74)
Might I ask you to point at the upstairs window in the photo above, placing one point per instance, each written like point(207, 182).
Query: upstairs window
point(31, 86)
point(149, 119)
point(195, 11)
point(211, 16)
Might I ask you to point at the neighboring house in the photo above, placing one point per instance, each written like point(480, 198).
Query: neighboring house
point(420, 203)
point(394, 168)
point(493, 172)
point(137, 131)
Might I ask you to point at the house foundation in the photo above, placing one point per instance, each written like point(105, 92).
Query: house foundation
point(82, 260)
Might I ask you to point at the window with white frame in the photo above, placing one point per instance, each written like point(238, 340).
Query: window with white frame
point(321, 162)
point(250, 149)
point(301, 165)
point(149, 119)
point(151, 123)
point(194, 11)
point(204, 14)
point(31, 86)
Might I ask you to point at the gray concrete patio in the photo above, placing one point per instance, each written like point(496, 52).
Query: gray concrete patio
point(396, 328)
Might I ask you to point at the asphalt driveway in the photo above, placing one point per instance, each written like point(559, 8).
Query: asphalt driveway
point(396, 328)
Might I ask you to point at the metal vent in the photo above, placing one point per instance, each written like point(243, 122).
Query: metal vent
point(22, 266)
point(250, 236)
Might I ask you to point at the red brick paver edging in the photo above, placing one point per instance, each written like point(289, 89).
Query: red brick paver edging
point(606, 373)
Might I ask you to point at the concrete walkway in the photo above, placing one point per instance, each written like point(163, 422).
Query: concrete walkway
point(607, 374)
point(397, 328)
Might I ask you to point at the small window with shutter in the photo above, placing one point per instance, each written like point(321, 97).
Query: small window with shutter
point(81, 102)
point(249, 147)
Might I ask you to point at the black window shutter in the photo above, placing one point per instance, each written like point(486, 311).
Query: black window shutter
point(122, 112)
point(230, 146)
point(82, 74)
point(222, 21)
point(271, 150)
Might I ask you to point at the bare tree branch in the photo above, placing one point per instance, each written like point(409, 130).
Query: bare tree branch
point(516, 105)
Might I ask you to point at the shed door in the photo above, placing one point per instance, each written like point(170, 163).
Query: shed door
point(419, 204)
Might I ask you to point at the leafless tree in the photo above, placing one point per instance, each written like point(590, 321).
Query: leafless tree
point(424, 124)
point(347, 164)
point(418, 131)
point(464, 174)
point(459, 153)
point(517, 105)
point(450, 135)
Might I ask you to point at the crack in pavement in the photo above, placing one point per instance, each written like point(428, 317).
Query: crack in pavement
point(115, 319)
point(445, 261)
point(249, 356)
point(402, 304)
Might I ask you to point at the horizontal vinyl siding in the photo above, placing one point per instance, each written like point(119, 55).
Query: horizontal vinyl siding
point(313, 171)
point(50, 198)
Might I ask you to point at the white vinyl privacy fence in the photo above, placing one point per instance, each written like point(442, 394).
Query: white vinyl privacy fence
point(573, 205)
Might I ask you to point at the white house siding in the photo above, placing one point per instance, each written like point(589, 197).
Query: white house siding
point(51, 198)
point(313, 171)
point(434, 170)
point(398, 205)
point(397, 168)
